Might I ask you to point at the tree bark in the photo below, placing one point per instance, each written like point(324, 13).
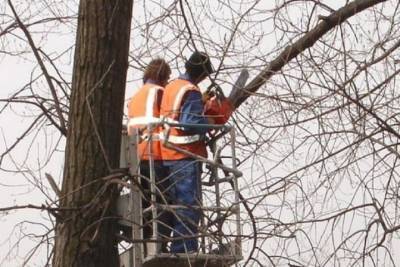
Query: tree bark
point(86, 236)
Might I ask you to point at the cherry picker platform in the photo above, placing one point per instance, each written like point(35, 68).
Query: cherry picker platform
point(220, 228)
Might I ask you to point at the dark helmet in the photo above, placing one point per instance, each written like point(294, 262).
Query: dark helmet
point(199, 63)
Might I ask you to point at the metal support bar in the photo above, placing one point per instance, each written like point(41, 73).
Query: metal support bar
point(238, 241)
point(174, 207)
point(135, 200)
point(213, 219)
point(214, 171)
point(155, 247)
point(203, 159)
point(227, 179)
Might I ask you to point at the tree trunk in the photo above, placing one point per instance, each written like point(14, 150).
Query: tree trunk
point(86, 236)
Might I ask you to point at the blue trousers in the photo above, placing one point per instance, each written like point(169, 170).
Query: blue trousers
point(184, 189)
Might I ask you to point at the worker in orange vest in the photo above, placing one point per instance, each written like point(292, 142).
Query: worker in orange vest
point(183, 103)
point(144, 109)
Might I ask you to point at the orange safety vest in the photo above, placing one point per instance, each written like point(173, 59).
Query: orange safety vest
point(171, 106)
point(143, 109)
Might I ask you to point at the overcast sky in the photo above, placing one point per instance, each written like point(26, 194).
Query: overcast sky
point(15, 72)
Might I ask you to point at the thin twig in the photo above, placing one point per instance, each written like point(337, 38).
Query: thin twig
point(62, 126)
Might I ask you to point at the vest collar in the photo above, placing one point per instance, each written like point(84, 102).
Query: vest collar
point(150, 81)
point(186, 77)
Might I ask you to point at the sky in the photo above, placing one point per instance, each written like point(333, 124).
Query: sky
point(16, 71)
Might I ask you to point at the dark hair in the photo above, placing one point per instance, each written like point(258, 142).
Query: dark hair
point(198, 65)
point(158, 70)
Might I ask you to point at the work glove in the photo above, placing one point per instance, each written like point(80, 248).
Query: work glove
point(218, 109)
point(207, 95)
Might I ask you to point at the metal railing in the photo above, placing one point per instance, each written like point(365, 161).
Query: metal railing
point(220, 204)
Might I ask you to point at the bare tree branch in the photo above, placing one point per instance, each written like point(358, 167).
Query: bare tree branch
point(307, 41)
point(62, 126)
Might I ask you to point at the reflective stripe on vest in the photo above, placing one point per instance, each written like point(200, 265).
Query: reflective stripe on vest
point(141, 122)
point(178, 139)
point(181, 140)
point(154, 136)
point(143, 112)
point(172, 101)
point(176, 107)
point(179, 96)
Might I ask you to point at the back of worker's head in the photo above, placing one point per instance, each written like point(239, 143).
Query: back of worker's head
point(157, 71)
point(198, 66)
